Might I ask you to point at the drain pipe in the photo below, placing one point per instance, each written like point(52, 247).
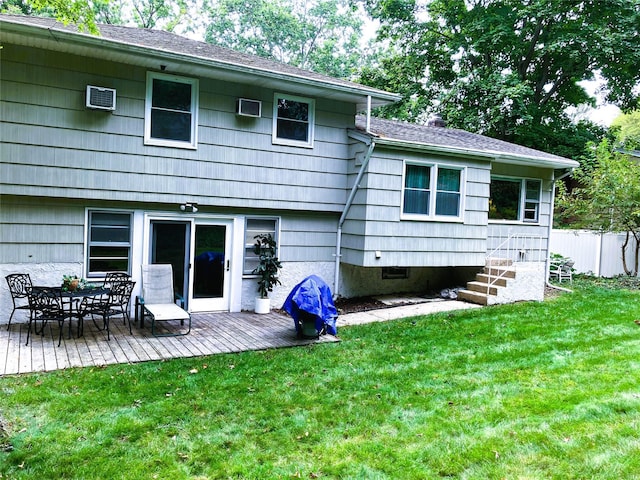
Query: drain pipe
point(548, 261)
point(343, 217)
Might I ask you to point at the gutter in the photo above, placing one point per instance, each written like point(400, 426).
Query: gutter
point(492, 155)
point(550, 228)
point(345, 211)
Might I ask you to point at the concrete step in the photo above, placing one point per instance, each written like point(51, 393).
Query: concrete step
point(482, 287)
point(495, 281)
point(473, 297)
point(495, 271)
point(498, 262)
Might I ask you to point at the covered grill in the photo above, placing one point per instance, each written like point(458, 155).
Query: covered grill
point(311, 306)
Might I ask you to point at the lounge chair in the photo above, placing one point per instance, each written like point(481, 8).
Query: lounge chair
point(158, 300)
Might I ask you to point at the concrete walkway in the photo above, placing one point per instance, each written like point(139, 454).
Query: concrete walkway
point(394, 313)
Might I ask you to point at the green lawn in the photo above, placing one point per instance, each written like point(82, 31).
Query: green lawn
point(527, 391)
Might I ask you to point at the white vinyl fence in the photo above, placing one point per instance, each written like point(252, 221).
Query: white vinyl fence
point(595, 253)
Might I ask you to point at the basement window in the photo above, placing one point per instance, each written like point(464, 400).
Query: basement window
point(395, 273)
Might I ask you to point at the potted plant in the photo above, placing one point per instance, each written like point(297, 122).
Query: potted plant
point(267, 270)
point(70, 283)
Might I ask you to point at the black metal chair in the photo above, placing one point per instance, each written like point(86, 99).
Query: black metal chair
point(19, 285)
point(115, 304)
point(113, 277)
point(46, 306)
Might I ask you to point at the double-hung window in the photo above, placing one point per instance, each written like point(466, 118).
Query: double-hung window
point(293, 119)
point(171, 111)
point(109, 242)
point(256, 226)
point(515, 199)
point(432, 191)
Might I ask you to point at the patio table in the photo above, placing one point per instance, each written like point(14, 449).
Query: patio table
point(74, 297)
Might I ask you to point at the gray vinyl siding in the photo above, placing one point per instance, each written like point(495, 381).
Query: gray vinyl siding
point(374, 222)
point(308, 238)
point(53, 146)
point(35, 231)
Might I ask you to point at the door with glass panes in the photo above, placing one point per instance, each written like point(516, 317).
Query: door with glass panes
point(199, 254)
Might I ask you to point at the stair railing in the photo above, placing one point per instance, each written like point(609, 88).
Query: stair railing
point(516, 248)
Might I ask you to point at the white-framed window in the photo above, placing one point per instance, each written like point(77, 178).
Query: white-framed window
point(108, 242)
point(293, 120)
point(515, 199)
point(256, 226)
point(432, 191)
point(171, 111)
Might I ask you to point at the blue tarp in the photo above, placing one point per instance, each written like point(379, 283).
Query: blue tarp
point(313, 296)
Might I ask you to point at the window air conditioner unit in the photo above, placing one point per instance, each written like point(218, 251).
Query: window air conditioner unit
point(101, 98)
point(249, 108)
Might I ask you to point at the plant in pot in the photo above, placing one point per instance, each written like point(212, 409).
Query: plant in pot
point(267, 270)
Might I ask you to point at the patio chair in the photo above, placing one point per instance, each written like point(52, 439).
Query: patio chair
point(158, 300)
point(114, 304)
point(113, 277)
point(19, 285)
point(46, 306)
point(562, 270)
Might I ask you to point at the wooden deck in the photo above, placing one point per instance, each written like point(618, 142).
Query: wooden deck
point(211, 333)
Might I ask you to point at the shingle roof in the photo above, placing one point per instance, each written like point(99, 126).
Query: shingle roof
point(453, 140)
point(163, 41)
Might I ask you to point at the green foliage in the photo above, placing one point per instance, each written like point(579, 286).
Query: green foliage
point(160, 13)
point(608, 198)
point(626, 129)
point(319, 35)
point(164, 14)
point(506, 68)
point(267, 270)
point(535, 390)
point(76, 12)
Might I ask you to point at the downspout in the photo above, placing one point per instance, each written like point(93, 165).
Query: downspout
point(368, 113)
point(550, 229)
point(343, 217)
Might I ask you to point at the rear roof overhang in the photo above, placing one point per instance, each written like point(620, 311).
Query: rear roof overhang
point(56, 37)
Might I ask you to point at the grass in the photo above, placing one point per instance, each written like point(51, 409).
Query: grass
point(526, 391)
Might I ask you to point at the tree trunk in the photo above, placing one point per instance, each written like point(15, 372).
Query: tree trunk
point(636, 253)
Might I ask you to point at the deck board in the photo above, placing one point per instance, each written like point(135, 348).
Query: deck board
point(211, 333)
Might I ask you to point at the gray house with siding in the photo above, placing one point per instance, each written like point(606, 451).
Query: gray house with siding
point(140, 146)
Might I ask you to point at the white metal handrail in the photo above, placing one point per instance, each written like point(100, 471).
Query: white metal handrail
point(516, 248)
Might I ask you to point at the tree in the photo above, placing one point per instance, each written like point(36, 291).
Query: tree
point(506, 68)
point(318, 35)
point(77, 12)
point(165, 14)
point(608, 199)
point(626, 128)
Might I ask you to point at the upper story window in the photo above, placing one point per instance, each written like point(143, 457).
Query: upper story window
point(293, 119)
point(256, 226)
point(515, 199)
point(432, 191)
point(171, 111)
point(109, 242)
